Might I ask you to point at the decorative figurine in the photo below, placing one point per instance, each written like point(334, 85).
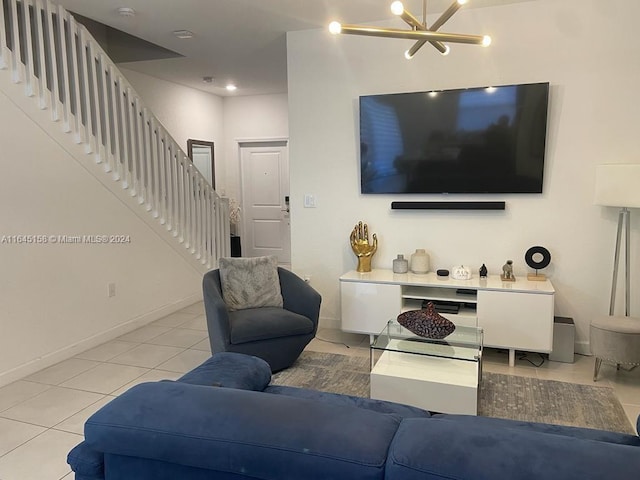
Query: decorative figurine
point(483, 271)
point(361, 247)
point(507, 272)
point(460, 272)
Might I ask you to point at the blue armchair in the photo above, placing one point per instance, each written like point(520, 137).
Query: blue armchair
point(277, 335)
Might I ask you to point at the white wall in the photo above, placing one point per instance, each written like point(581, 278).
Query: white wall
point(189, 113)
point(593, 119)
point(54, 297)
point(185, 112)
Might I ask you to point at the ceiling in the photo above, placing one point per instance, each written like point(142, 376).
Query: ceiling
point(238, 41)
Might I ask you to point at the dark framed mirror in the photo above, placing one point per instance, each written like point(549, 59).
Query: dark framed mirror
point(201, 154)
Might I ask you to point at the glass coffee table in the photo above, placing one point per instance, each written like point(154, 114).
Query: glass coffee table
point(436, 375)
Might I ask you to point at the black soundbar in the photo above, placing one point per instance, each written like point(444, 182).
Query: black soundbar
point(447, 205)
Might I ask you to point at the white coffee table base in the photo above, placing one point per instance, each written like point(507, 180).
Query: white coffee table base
point(442, 385)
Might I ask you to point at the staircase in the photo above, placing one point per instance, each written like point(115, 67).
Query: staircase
point(53, 69)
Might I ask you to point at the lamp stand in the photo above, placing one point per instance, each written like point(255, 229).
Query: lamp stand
point(623, 218)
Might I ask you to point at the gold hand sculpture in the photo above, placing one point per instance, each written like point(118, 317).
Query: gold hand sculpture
point(361, 247)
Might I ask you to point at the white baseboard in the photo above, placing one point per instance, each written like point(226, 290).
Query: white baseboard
point(71, 350)
point(329, 323)
point(583, 348)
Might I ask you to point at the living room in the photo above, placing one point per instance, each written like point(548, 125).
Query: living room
point(592, 84)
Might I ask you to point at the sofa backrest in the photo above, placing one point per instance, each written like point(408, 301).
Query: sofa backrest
point(243, 432)
point(444, 448)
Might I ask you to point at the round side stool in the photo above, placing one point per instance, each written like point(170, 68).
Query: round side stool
point(615, 339)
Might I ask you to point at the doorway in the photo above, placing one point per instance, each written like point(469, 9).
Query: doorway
point(264, 180)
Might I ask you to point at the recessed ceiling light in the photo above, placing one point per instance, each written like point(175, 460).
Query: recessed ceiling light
point(183, 33)
point(231, 87)
point(126, 12)
point(207, 79)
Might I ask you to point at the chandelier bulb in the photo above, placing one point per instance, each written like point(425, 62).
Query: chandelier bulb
point(397, 8)
point(335, 28)
point(407, 55)
point(462, 2)
point(447, 49)
point(486, 41)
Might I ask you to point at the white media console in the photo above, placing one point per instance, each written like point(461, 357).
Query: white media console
point(514, 315)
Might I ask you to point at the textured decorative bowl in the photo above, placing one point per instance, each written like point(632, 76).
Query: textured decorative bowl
point(427, 323)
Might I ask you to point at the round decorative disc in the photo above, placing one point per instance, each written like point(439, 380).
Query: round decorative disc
point(537, 257)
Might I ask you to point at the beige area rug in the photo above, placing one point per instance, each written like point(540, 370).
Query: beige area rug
point(502, 396)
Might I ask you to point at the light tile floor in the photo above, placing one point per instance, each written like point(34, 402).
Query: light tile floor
point(42, 416)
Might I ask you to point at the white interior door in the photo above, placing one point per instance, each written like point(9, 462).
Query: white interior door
point(265, 200)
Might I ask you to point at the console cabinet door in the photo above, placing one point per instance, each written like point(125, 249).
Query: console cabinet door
point(367, 307)
point(520, 321)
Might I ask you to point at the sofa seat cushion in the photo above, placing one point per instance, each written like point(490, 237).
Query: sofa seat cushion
point(255, 324)
point(439, 448)
point(251, 434)
point(380, 406)
point(574, 432)
point(231, 370)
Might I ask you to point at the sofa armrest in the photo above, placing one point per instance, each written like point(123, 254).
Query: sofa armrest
point(230, 370)
point(299, 297)
point(439, 448)
point(86, 463)
point(242, 432)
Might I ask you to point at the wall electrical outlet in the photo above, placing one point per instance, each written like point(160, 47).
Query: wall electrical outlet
point(112, 290)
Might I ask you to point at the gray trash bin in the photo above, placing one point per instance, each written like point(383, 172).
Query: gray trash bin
point(564, 334)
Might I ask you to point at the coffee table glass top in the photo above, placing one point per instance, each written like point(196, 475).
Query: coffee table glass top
point(465, 343)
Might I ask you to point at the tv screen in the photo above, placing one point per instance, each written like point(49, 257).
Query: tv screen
point(474, 140)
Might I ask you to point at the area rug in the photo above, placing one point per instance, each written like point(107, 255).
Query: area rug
point(502, 396)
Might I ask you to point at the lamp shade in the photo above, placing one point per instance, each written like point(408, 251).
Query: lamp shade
point(618, 185)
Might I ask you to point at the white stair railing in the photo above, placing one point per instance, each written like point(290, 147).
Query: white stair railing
point(67, 73)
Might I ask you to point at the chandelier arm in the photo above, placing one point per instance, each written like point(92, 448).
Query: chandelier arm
point(437, 45)
point(418, 45)
point(426, 35)
point(446, 15)
point(441, 47)
point(411, 20)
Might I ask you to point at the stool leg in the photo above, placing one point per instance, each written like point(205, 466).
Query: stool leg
point(597, 369)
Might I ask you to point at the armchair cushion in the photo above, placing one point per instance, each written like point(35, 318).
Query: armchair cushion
point(250, 282)
point(256, 324)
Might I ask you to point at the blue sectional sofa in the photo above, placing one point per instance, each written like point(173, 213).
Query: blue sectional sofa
point(223, 421)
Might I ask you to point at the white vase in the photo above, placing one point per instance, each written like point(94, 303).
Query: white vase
point(420, 261)
point(400, 264)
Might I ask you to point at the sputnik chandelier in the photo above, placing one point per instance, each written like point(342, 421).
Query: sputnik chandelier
point(419, 30)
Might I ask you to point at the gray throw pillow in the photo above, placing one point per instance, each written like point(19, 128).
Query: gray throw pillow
point(250, 282)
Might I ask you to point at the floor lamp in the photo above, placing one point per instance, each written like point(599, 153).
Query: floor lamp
point(619, 186)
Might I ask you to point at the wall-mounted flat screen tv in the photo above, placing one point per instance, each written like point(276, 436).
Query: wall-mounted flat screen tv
point(473, 140)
